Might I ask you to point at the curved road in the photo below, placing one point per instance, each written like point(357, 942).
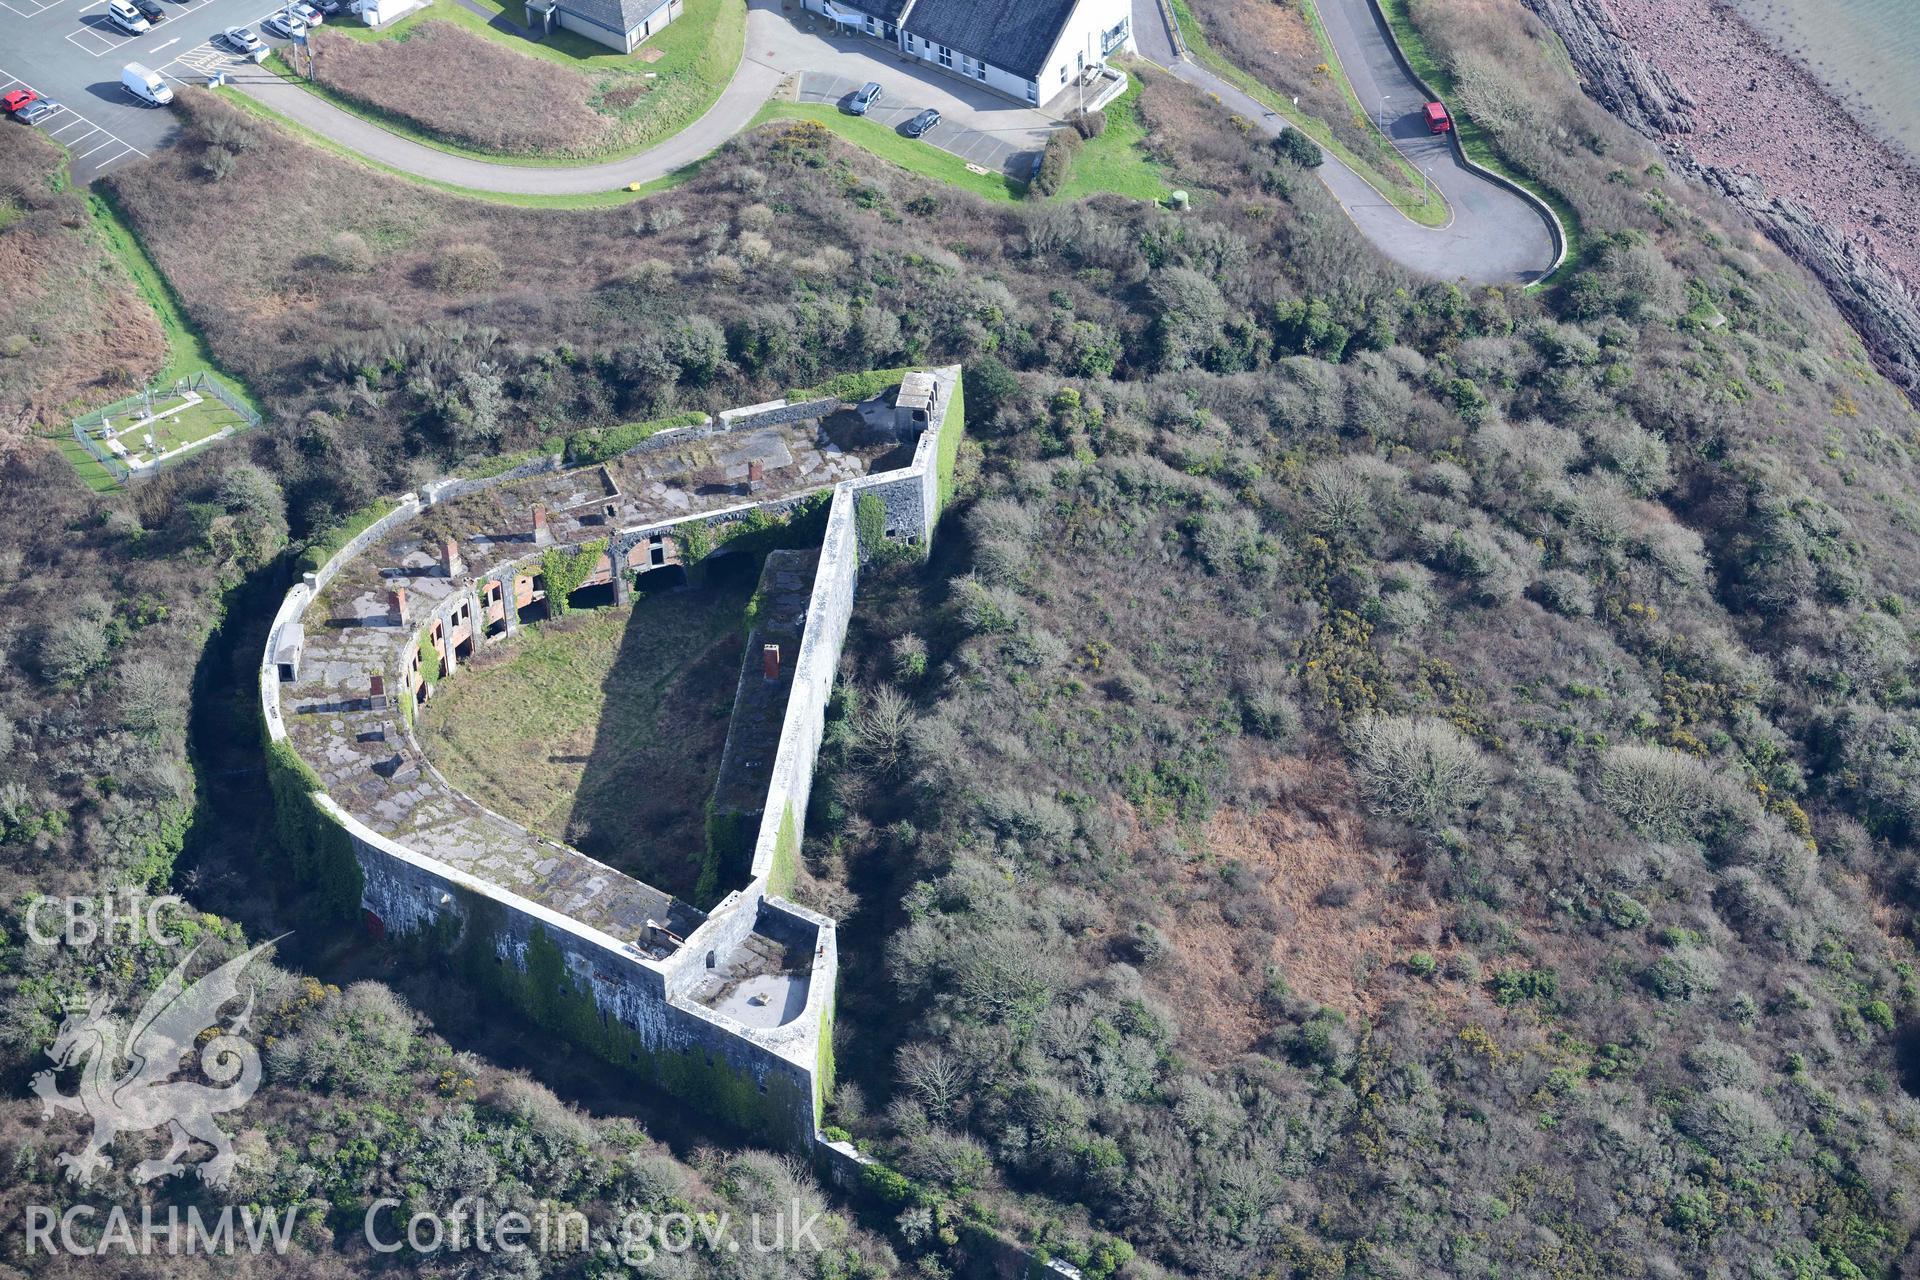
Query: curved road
point(755, 80)
point(1495, 235)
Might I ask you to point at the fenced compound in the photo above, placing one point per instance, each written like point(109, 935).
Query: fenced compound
point(136, 436)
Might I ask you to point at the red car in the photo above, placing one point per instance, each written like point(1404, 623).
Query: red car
point(17, 99)
point(1438, 121)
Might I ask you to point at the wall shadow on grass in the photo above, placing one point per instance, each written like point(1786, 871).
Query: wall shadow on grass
point(641, 801)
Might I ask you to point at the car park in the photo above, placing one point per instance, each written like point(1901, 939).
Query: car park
point(863, 100)
point(241, 40)
point(17, 100)
point(36, 111)
point(283, 25)
point(123, 15)
point(918, 126)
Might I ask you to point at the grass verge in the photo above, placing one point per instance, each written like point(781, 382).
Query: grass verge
point(698, 54)
point(187, 350)
point(586, 200)
point(1474, 137)
point(911, 154)
point(1416, 201)
point(1117, 160)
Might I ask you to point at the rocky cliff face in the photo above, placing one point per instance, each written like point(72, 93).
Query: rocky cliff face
point(1625, 83)
point(1647, 99)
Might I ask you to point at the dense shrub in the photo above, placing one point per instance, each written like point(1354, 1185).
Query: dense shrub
point(1421, 770)
point(348, 251)
point(464, 268)
point(1088, 124)
point(1297, 148)
point(1056, 162)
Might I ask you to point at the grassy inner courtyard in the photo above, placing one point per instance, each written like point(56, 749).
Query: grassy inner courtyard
point(603, 729)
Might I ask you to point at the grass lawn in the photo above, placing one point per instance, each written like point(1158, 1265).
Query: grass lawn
point(92, 474)
point(692, 60)
point(603, 729)
point(1392, 175)
point(589, 200)
point(1117, 160)
point(909, 153)
point(183, 426)
point(1474, 138)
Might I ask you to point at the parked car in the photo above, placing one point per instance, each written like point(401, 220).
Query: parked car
point(241, 40)
point(123, 15)
point(919, 125)
point(283, 25)
point(307, 14)
point(16, 99)
point(330, 8)
point(863, 100)
point(150, 10)
point(146, 84)
point(36, 111)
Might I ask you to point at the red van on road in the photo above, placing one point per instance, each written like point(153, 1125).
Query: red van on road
point(1438, 121)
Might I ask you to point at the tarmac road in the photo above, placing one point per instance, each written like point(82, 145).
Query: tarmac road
point(1495, 236)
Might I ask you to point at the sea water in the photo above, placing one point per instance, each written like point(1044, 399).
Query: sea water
point(1867, 52)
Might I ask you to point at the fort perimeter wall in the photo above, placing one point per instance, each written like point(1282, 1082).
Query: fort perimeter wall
point(599, 990)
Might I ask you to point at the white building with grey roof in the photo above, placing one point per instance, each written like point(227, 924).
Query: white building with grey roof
point(1032, 51)
point(619, 24)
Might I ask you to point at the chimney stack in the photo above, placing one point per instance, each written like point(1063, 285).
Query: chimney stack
point(397, 606)
point(450, 563)
point(770, 660)
point(377, 686)
point(539, 522)
point(756, 475)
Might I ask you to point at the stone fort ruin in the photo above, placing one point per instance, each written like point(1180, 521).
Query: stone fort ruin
point(729, 1008)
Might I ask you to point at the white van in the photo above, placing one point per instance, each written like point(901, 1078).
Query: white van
point(126, 17)
point(145, 85)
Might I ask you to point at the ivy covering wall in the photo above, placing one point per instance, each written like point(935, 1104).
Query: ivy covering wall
point(547, 992)
point(564, 571)
point(728, 857)
point(786, 854)
point(317, 849)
